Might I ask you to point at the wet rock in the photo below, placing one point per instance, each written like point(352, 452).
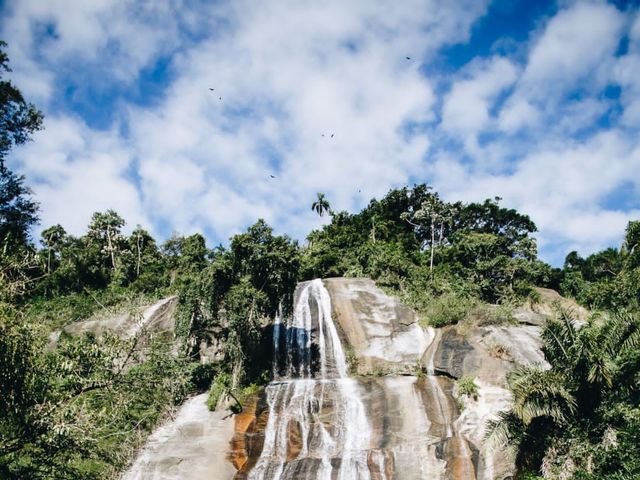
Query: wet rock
point(413, 435)
point(383, 334)
point(454, 355)
point(192, 446)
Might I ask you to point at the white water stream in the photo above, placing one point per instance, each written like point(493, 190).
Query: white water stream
point(324, 407)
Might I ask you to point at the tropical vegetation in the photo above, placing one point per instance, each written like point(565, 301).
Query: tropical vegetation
point(81, 408)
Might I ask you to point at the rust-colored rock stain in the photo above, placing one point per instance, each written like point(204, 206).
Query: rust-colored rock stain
point(247, 441)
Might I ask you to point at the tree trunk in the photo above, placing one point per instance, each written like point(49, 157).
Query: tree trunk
point(113, 257)
point(433, 239)
point(138, 241)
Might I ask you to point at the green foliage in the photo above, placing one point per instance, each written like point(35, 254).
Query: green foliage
point(57, 312)
point(18, 119)
point(82, 410)
point(583, 410)
point(412, 233)
point(18, 211)
point(221, 384)
point(447, 309)
point(234, 297)
point(466, 386)
point(609, 279)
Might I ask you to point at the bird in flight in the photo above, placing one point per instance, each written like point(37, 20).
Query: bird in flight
point(408, 58)
point(332, 135)
point(212, 89)
point(219, 98)
point(272, 176)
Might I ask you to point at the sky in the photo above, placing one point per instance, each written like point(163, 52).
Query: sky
point(177, 113)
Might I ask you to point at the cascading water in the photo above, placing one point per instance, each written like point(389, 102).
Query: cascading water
point(314, 422)
point(317, 426)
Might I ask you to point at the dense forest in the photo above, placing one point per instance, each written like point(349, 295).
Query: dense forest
point(82, 409)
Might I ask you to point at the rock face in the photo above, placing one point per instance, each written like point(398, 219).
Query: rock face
point(382, 332)
point(536, 313)
point(157, 318)
point(412, 435)
point(396, 416)
point(317, 422)
point(194, 445)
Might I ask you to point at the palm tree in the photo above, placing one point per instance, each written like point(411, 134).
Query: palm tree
point(541, 404)
point(321, 205)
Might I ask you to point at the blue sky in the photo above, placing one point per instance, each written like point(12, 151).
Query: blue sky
point(536, 102)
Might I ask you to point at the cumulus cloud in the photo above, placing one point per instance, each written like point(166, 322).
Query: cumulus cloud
point(466, 106)
point(75, 172)
point(318, 95)
point(575, 51)
point(315, 97)
point(562, 188)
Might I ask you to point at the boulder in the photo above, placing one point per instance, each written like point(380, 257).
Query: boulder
point(383, 334)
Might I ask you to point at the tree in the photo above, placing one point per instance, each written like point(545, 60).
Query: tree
point(18, 210)
point(433, 216)
point(105, 229)
point(52, 239)
point(321, 205)
point(18, 119)
point(632, 244)
point(590, 389)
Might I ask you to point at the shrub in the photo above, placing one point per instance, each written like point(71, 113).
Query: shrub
point(466, 386)
point(218, 388)
point(447, 309)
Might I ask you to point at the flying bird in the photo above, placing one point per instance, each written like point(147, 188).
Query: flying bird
point(408, 58)
point(212, 89)
point(219, 98)
point(272, 176)
point(332, 135)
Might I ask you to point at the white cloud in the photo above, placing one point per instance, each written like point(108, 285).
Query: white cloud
point(293, 74)
point(111, 39)
point(626, 74)
point(466, 106)
point(561, 187)
point(518, 114)
point(75, 172)
point(576, 44)
point(575, 50)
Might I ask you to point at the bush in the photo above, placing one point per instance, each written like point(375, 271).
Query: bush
point(447, 309)
point(466, 386)
point(218, 388)
point(202, 376)
point(485, 314)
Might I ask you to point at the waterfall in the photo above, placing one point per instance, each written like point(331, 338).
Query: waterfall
point(320, 405)
point(322, 424)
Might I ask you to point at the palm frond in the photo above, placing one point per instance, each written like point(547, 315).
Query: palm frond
point(505, 429)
